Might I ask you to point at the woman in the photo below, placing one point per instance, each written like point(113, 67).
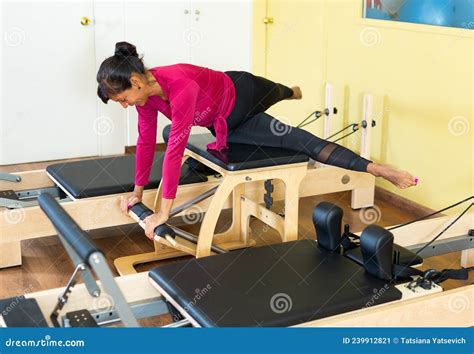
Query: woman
point(229, 104)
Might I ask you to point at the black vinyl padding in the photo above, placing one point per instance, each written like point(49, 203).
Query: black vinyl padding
point(376, 247)
point(278, 285)
point(243, 156)
point(21, 312)
point(164, 230)
point(142, 212)
point(97, 177)
point(192, 163)
point(327, 220)
point(77, 238)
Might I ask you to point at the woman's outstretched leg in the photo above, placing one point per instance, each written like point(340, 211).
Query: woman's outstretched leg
point(262, 129)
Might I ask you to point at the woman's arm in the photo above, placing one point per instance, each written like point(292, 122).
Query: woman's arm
point(146, 143)
point(183, 97)
point(147, 125)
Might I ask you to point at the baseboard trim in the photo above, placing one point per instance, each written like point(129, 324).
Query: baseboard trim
point(417, 210)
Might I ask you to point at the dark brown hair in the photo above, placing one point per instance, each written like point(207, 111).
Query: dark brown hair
point(114, 73)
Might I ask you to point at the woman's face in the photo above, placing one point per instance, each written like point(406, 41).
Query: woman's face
point(135, 95)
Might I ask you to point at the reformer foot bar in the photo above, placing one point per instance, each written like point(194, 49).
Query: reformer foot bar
point(173, 236)
point(314, 285)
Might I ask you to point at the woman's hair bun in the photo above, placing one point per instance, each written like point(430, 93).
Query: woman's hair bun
point(125, 49)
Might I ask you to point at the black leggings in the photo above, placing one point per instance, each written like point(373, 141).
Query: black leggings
point(249, 124)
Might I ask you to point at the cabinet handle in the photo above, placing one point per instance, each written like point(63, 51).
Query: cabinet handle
point(186, 12)
point(268, 20)
point(85, 21)
point(197, 12)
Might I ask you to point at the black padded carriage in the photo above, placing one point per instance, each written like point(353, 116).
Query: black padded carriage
point(95, 177)
point(278, 285)
point(91, 178)
point(243, 156)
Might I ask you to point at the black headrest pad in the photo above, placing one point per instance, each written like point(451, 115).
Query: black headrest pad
point(376, 245)
point(327, 220)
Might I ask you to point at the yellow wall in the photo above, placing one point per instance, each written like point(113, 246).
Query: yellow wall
point(422, 81)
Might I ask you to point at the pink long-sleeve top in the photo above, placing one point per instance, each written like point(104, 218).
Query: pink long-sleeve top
point(196, 96)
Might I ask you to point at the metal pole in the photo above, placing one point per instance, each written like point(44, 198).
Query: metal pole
point(194, 239)
point(193, 201)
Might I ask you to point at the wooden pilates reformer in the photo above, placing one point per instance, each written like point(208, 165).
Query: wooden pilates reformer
point(195, 292)
point(90, 190)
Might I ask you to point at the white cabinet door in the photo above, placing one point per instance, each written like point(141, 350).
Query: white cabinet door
point(220, 34)
point(157, 29)
point(48, 90)
point(215, 34)
point(109, 29)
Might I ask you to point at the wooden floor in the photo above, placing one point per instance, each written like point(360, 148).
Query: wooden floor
point(46, 264)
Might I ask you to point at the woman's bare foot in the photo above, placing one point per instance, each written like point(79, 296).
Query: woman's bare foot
point(401, 179)
point(297, 94)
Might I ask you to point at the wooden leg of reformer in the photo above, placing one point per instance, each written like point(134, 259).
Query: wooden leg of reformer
point(291, 206)
point(467, 258)
point(206, 233)
point(10, 254)
point(244, 221)
point(233, 233)
point(363, 197)
point(157, 203)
